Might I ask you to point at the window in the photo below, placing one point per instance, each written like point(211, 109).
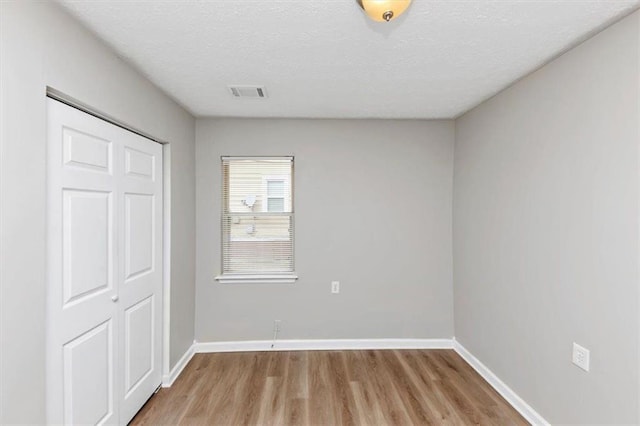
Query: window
point(257, 219)
point(275, 195)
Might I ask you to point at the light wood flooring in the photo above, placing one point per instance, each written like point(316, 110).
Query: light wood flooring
point(378, 387)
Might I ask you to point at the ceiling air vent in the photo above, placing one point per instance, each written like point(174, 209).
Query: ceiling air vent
point(248, 92)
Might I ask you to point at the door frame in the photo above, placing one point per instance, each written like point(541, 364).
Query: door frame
point(166, 215)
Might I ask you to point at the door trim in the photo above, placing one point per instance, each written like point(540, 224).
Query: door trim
point(166, 212)
point(166, 260)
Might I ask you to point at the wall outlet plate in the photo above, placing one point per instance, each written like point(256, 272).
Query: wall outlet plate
point(335, 287)
point(580, 356)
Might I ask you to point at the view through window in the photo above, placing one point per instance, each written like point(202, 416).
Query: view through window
point(257, 216)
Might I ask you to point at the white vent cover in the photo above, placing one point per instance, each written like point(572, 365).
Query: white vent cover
point(255, 92)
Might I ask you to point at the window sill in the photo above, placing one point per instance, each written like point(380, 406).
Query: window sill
point(257, 279)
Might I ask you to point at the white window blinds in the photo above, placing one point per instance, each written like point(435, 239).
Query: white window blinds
point(257, 215)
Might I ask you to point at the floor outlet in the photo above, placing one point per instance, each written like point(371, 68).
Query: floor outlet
point(335, 287)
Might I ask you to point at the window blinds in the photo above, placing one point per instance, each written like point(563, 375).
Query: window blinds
point(257, 215)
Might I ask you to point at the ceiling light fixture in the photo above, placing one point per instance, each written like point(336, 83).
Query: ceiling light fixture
point(384, 10)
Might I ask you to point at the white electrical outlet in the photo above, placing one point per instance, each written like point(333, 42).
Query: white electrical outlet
point(335, 287)
point(580, 356)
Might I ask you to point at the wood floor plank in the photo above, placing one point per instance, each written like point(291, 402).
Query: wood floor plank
point(252, 392)
point(297, 412)
point(343, 401)
point(297, 374)
point(271, 411)
point(196, 412)
point(379, 380)
point(394, 387)
point(367, 406)
point(422, 384)
point(363, 415)
point(222, 403)
point(321, 409)
point(410, 396)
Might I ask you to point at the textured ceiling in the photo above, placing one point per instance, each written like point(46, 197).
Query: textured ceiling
point(326, 59)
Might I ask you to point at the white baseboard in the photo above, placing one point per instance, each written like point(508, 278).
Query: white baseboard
point(531, 415)
point(168, 380)
point(322, 345)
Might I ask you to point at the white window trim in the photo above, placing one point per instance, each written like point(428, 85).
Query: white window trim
point(288, 278)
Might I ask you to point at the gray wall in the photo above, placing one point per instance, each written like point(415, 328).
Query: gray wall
point(546, 231)
point(41, 46)
point(545, 214)
point(373, 210)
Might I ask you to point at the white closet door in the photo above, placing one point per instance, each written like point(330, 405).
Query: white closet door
point(104, 281)
point(140, 271)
